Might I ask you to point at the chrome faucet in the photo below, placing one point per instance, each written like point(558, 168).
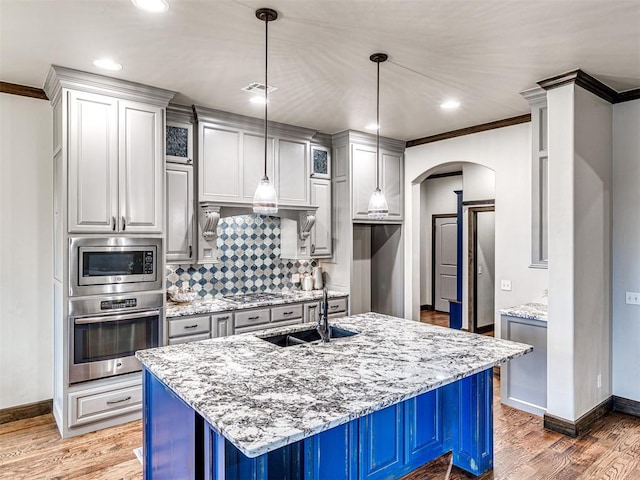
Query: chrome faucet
point(323, 318)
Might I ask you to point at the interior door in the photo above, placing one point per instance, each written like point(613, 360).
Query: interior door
point(445, 262)
point(485, 260)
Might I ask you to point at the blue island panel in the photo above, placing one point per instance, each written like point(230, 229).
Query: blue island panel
point(385, 444)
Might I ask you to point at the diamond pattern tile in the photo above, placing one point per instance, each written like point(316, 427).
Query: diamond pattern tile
point(250, 261)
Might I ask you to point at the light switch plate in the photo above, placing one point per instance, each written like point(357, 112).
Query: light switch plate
point(505, 285)
point(633, 298)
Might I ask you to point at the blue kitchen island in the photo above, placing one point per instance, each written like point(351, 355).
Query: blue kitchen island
point(375, 405)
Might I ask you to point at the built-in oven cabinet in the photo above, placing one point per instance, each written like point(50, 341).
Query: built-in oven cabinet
point(95, 404)
point(116, 165)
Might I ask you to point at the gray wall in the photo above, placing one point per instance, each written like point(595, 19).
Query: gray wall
point(26, 251)
point(626, 249)
point(387, 279)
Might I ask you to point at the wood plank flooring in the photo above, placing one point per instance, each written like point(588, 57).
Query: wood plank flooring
point(524, 450)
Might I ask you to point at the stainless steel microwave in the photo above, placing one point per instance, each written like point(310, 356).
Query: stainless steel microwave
point(108, 265)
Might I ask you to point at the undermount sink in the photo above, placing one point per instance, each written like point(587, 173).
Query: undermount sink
point(306, 336)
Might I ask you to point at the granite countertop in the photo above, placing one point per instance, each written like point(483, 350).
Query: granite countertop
point(203, 307)
point(532, 311)
point(261, 396)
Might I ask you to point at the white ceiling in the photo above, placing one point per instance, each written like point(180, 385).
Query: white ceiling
point(480, 52)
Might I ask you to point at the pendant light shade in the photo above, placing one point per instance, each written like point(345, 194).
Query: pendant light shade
point(265, 200)
point(378, 206)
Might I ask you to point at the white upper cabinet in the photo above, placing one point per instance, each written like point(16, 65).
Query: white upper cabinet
point(252, 164)
point(292, 172)
point(141, 167)
point(231, 158)
point(355, 157)
point(115, 165)
point(321, 243)
point(391, 182)
point(93, 163)
point(363, 172)
point(180, 217)
point(219, 155)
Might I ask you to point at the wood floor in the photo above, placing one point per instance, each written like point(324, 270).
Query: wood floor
point(32, 449)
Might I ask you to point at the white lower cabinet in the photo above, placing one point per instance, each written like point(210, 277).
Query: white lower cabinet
point(221, 325)
point(189, 338)
point(179, 327)
point(311, 311)
point(100, 403)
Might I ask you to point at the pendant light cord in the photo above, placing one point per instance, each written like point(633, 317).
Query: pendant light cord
point(266, 88)
point(378, 130)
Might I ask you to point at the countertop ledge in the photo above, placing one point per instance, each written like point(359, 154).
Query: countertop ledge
point(531, 311)
point(262, 397)
point(217, 305)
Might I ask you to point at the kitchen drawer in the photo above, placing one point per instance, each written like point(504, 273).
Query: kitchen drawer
point(337, 315)
point(188, 338)
point(287, 312)
point(281, 323)
point(252, 317)
point(188, 326)
point(91, 405)
point(337, 305)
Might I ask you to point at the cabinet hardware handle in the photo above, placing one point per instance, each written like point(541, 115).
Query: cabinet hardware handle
point(190, 251)
point(287, 313)
point(124, 224)
point(113, 223)
point(125, 399)
point(313, 248)
point(224, 318)
point(254, 318)
point(191, 326)
point(333, 307)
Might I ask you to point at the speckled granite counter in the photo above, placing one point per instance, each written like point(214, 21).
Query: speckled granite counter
point(203, 307)
point(261, 396)
point(532, 311)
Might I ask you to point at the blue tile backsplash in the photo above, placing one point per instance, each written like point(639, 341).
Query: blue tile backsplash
point(249, 253)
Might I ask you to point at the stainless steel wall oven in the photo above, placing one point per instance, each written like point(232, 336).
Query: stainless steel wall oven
point(113, 265)
point(106, 331)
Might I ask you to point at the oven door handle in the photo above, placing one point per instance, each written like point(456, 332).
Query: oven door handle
point(116, 318)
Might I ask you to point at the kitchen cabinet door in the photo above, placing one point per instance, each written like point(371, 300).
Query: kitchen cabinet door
point(253, 163)
point(141, 167)
point(180, 217)
point(221, 325)
point(311, 312)
point(219, 161)
point(292, 172)
point(363, 172)
point(391, 182)
point(321, 233)
point(93, 163)
point(381, 443)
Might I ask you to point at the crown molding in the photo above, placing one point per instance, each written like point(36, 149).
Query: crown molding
point(255, 125)
point(22, 90)
point(507, 122)
point(63, 77)
point(367, 139)
point(591, 84)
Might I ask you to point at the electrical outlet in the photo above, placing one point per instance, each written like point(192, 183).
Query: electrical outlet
point(295, 278)
point(599, 381)
point(633, 298)
point(505, 285)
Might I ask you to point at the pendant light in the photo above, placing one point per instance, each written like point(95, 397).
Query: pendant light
point(265, 200)
point(378, 207)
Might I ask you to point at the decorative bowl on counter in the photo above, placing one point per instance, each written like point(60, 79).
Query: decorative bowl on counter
point(182, 295)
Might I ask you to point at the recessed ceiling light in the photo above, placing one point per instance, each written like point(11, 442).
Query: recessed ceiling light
point(450, 104)
point(258, 99)
point(153, 6)
point(107, 64)
point(372, 126)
